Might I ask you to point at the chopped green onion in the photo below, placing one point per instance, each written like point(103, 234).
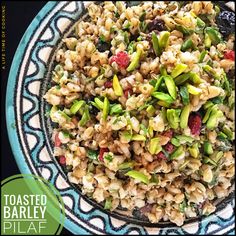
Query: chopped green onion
point(209, 110)
point(158, 83)
point(63, 114)
point(138, 137)
point(184, 95)
point(151, 110)
point(154, 146)
point(138, 176)
point(164, 104)
point(172, 116)
point(116, 86)
point(163, 70)
point(208, 104)
point(216, 156)
point(108, 203)
point(155, 44)
point(193, 90)
point(179, 69)
point(99, 103)
point(51, 113)
point(208, 148)
point(209, 70)
point(207, 41)
point(194, 150)
point(202, 56)
point(115, 109)
point(178, 153)
point(214, 35)
point(175, 142)
point(228, 132)
point(184, 30)
point(144, 129)
point(125, 136)
point(106, 108)
point(182, 78)
point(222, 136)
point(195, 78)
point(131, 47)
point(200, 23)
point(188, 44)
point(135, 61)
point(184, 117)
point(207, 160)
point(85, 117)
point(213, 119)
point(126, 165)
point(181, 167)
point(164, 39)
point(76, 106)
point(184, 138)
point(170, 84)
point(163, 97)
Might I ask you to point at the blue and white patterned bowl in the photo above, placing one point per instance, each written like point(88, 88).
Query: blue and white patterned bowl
point(30, 131)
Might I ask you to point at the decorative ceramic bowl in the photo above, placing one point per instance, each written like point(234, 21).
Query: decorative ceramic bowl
point(30, 131)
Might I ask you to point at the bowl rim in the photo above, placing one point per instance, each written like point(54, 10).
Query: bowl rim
point(10, 104)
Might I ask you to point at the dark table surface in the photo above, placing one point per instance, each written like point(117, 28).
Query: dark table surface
point(18, 16)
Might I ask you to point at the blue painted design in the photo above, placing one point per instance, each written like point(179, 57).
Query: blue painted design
point(77, 221)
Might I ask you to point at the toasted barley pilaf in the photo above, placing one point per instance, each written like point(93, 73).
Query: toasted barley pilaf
point(143, 101)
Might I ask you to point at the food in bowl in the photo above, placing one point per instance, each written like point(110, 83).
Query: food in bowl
point(142, 101)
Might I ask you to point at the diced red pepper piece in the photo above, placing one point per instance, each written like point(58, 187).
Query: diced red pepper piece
point(169, 147)
point(101, 153)
point(62, 160)
point(57, 140)
point(195, 123)
point(108, 84)
point(230, 54)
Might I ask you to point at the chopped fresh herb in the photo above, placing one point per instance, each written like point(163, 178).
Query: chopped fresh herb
point(108, 157)
point(92, 154)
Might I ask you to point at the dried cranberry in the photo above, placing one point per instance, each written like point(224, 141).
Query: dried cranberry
point(156, 24)
point(146, 209)
point(168, 133)
point(121, 58)
point(160, 156)
point(169, 147)
point(128, 92)
point(230, 54)
point(57, 140)
point(101, 153)
point(62, 160)
point(108, 84)
point(194, 123)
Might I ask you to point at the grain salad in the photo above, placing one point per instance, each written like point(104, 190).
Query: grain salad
point(142, 100)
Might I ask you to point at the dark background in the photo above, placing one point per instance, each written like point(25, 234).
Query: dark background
point(19, 15)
